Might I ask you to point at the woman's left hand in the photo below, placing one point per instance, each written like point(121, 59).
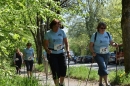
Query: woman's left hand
point(114, 44)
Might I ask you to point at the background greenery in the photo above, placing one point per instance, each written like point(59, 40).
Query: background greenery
point(18, 25)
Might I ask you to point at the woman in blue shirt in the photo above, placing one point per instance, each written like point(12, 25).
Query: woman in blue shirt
point(28, 55)
point(99, 47)
point(54, 42)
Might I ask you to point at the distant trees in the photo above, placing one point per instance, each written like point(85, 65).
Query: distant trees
point(84, 16)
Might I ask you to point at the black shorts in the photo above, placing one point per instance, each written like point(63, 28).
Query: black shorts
point(18, 64)
point(58, 65)
point(29, 64)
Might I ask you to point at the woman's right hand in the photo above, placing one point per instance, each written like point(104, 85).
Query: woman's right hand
point(48, 51)
point(93, 54)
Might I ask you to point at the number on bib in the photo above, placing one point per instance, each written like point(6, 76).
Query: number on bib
point(103, 50)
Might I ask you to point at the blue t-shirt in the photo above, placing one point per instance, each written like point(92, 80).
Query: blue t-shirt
point(28, 54)
point(55, 40)
point(102, 41)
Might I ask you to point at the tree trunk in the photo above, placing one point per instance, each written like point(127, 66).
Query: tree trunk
point(39, 38)
point(125, 25)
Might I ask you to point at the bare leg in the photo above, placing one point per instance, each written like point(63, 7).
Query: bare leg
point(28, 73)
point(19, 71)
point(100, 79)
point(106, 80)
point(56, 81)
point(61, 80)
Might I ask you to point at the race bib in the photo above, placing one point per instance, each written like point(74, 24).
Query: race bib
point(103, 50)
point(58, 46)
point(16, 59)
point(30, 58)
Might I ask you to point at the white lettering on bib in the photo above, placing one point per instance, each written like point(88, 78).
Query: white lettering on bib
point(16, 59)
point(58, 46)
point(103, 50)
point(29, 58)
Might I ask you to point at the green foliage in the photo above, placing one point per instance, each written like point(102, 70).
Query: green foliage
point(122, 78)
point(9, 78)
point(113, 18)
point(86, 17)
point(18, 81)
point(40, 67)
point(82, 72)
point(18, 22)
point(80, 44)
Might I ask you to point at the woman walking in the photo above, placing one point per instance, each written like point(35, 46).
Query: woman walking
point(54, 42)
point(28, 55)
point(99, 47)
point(18, 60)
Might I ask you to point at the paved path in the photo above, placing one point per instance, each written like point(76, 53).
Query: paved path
point(72, 82)
point(42, 79)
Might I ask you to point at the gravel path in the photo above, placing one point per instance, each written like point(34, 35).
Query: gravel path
point(42, 79)
point(72, 82)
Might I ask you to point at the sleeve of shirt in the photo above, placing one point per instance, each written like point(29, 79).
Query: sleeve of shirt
point(64, 35)
point(92, 38)
point(46, 37)
point(111, 38)
point(32, 50)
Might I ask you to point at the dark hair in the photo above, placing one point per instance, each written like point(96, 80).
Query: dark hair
point(101, 24)
point(28, 44)
point(54, 22)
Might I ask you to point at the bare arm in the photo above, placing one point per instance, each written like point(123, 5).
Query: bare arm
point(66, 44)
point(92, 49)
point(21, 56)
point(45, 45)
point(67, 47)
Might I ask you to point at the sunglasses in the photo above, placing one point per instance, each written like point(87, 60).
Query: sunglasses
point(102, 28)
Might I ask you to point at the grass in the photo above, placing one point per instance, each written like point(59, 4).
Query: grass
point(121, 78)
point(18, 81)
point(9, 78)
point(39, 68)
point(81, 73)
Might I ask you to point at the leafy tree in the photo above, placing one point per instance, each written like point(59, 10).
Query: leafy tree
point(28, 17)
point(86, 15)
